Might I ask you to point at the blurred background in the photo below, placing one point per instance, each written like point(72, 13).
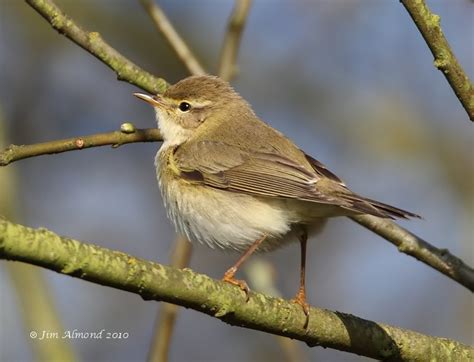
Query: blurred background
point(351, 82)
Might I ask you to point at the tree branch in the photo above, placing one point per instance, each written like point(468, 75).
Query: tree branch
point(174, 39)
point(440, 259)
point(128, 134)
point(444, 59)
point(406, 242)
point(218, 299)
point(92, 42)
point(235, 27)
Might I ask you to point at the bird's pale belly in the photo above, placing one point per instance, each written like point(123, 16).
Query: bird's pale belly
point(224, 219)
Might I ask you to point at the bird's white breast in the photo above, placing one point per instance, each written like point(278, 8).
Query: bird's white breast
point(221, 218)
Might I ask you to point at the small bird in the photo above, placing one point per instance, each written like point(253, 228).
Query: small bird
point(231, 181)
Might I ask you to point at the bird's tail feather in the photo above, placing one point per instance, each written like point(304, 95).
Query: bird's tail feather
point(364, 205)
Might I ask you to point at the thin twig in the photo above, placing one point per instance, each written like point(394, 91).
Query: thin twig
point(444, 59)
point(164, 326)
point(93, 43)
point(163, 24)
point(221, 300)
point(115, 139)
point(230, 48)
point(406, 242)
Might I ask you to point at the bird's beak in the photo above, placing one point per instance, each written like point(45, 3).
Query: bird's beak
point(155, 101)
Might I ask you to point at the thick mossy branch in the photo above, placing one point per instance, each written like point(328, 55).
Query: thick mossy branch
point(444, 59)
point(196, 291)
point(92, 42)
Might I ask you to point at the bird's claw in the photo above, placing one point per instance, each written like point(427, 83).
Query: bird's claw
point(229, 277)
point(301, 300)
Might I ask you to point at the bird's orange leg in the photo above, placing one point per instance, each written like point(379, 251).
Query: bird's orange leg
point(301, 295)
point(229, 275)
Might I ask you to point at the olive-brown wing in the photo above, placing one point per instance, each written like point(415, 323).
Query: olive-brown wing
point(223, 166)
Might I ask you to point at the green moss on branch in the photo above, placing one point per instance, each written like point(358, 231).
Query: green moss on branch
point(153, 281)
point(444, 59)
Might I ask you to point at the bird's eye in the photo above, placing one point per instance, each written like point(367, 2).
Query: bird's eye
point(184, 106)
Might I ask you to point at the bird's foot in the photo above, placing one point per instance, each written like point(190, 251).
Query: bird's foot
point(301, 300)
point(229, 277)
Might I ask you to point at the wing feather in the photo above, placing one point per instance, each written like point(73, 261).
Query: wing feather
point(263, 173)
point(260, 173)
